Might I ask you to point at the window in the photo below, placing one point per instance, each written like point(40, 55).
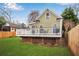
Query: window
point(58, 19)
point(33, 29)
point(41, 29)
point(47, 16)
point(55, 29)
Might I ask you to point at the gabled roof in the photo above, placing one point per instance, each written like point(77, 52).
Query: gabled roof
point(10, 24)
point(53, 12)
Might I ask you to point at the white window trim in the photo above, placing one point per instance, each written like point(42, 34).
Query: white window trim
point(46, 16)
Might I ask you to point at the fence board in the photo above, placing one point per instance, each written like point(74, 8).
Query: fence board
point(73, 40)
point(7, 34)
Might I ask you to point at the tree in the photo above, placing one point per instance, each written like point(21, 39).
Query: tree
point(5, 12)
point(23, 25)
point(5, 15)
point(76, 8)
point(69, 17)
point(2, 21)
point(69, 20)
point(69, 14)
point(33, 15)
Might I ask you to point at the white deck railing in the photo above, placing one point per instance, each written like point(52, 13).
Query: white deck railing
point(24, 32)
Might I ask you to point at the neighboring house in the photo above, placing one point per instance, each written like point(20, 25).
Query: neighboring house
point(21, 26)
point(9, 27)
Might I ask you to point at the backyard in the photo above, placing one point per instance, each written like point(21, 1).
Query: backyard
point(15, 47)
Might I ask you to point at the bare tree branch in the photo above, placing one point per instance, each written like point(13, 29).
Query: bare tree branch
point(6, 12)
point(33, 15)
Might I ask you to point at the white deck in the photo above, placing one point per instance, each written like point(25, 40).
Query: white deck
point(49, 33)
point(25, 33)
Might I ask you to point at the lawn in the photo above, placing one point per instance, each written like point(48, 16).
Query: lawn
point(15, 47)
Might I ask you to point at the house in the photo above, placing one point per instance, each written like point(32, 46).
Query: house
point(21, 26)
point(9, 27)
point(47, 23)
point(47, 27)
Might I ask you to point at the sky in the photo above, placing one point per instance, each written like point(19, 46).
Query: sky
point(20, 11)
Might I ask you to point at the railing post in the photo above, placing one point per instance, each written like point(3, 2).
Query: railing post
point(61, 23)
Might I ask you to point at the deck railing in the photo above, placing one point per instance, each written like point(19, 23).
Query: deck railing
point(37, 33)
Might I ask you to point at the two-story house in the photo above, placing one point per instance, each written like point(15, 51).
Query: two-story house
point(48, 25)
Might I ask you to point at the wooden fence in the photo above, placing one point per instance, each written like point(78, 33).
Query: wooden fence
point(7, 34)
point(73, 40)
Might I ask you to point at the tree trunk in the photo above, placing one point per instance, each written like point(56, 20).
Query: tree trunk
point(66, 36)
point(68, 25)
point(0, 27)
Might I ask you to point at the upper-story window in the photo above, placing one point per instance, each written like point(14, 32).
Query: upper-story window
point(58, 19)
point(47, 15)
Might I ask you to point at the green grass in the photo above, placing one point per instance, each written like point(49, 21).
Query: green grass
point(15, 47)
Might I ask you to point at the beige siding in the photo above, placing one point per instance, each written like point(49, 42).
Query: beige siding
point(48, 24)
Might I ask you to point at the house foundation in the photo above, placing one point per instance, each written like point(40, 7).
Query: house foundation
point(48, 41)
